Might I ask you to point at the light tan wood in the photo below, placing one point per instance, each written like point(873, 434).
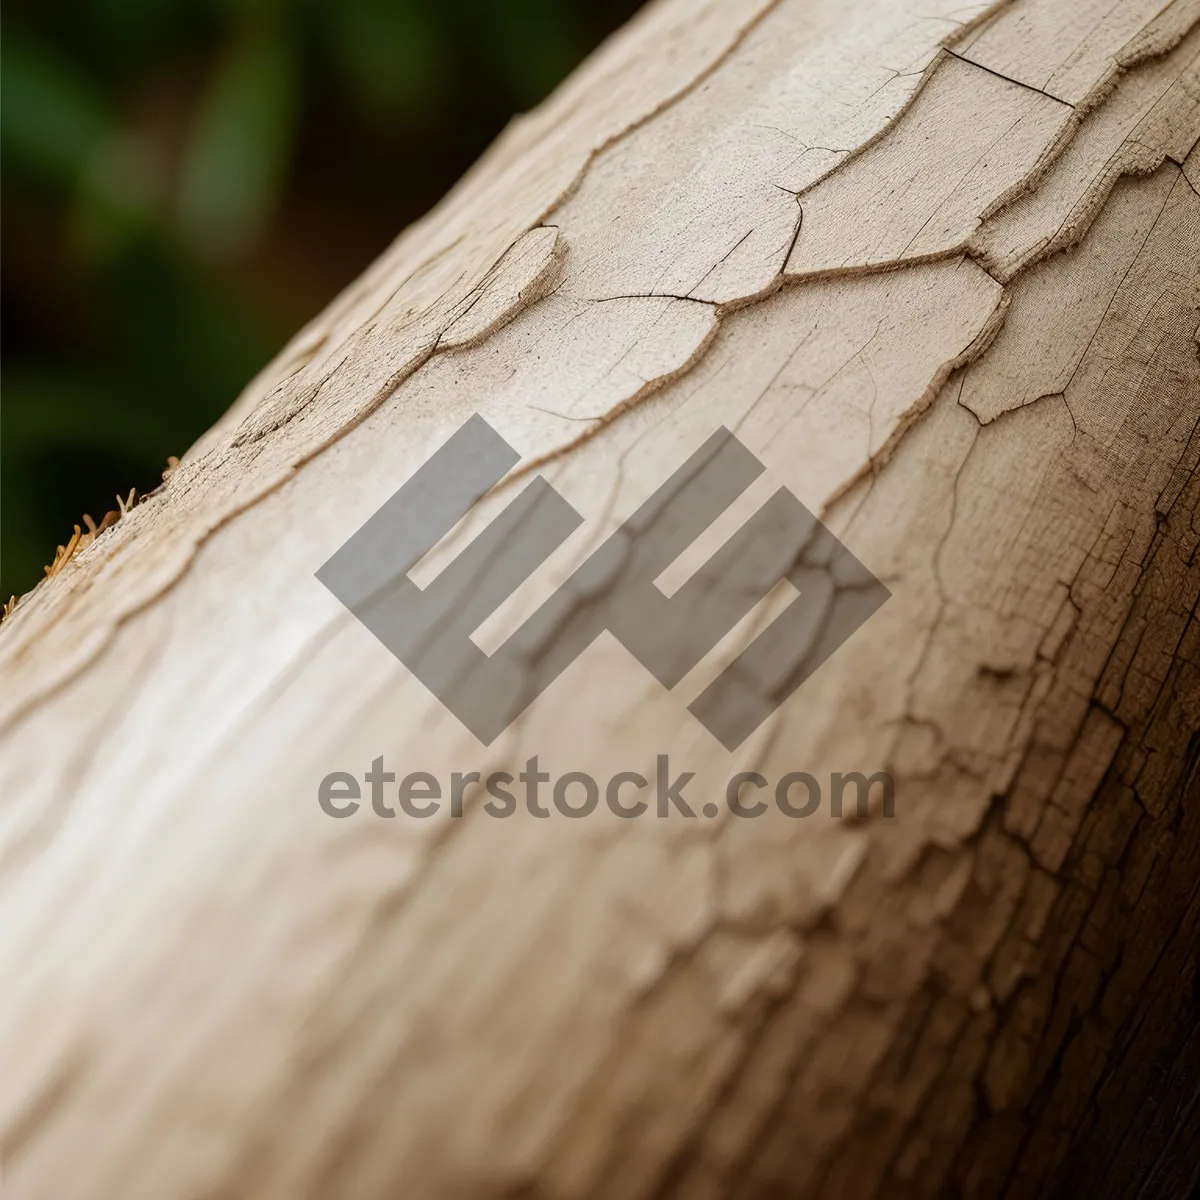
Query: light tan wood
point(938, 267)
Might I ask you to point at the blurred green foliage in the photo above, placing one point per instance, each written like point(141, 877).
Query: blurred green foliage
point(187, 181)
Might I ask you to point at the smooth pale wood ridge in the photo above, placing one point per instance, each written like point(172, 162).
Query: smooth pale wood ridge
point(938, 266)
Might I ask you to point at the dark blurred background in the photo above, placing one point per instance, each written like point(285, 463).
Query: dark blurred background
point(186, 182)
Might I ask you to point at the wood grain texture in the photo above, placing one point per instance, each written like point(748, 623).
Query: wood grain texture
point(938, 267)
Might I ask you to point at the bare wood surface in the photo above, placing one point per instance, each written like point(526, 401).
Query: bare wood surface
point(938, 266)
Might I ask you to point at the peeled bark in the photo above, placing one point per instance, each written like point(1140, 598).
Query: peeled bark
point(938, 267)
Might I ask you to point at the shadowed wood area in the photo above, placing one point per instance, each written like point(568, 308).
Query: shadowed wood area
point(937, 266)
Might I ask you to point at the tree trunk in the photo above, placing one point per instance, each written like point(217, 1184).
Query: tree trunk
point(938, 268)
